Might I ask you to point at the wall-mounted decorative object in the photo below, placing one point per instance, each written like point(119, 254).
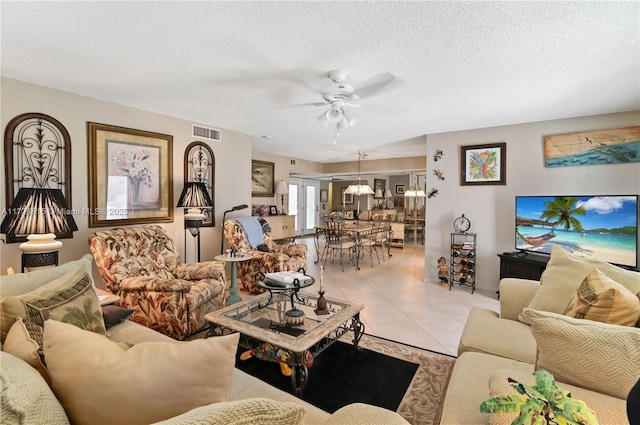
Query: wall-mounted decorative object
point(130, 176)
point(324, 195)
point(483, 164)
point(200, 167)
point(399, 189)
point(439, 174)
point(613, 146)
point(262, 183)
point(432, 193)
point(437, 155)
point(37, 151)
point(379, 184)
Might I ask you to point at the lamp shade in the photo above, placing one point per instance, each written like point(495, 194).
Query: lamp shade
point(359, 189)
point(38, 211)
point(282, 188)
point(378, 194)
point(195, 195)
point(387, 193)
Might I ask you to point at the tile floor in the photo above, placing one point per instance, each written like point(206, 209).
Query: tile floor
point(398, 304)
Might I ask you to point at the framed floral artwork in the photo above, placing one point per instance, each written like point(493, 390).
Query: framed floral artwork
point(483, 164)
point(262, 183)
point(130, 176)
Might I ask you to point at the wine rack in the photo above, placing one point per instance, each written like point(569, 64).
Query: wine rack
point(463, 260)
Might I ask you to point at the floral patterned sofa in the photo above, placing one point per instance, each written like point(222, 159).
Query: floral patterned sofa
point(141, 264)
point(275, 258)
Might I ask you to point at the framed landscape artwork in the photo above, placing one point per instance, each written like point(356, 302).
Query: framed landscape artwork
point(262, 183)
point(483, 164)
point(612, 146)
point(379, 184)
point(130, 176)
point(399, 189)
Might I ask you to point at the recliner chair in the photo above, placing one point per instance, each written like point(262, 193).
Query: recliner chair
point(141, 265)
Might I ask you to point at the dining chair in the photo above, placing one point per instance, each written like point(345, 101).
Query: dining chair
point(337, 241)
point(367, 241)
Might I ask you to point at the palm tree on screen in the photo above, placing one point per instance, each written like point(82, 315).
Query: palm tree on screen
point(562, 211)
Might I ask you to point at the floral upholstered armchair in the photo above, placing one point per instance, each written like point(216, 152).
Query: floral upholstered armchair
point(142, 266)
point(268, 257)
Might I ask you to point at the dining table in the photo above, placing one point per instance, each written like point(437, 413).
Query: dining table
point(357, 229)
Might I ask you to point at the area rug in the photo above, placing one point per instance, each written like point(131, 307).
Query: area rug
point(407, 379)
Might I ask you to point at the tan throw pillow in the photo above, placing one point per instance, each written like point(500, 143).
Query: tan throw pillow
point(19, 343)
point(604, 300)
point(98, 382)
point(69, 298)
point(26, 397)
point(592, 355)
point(564, 274)
point(247, 411)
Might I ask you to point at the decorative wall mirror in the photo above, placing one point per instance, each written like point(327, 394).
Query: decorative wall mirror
point(37, 151)
point(200, 166)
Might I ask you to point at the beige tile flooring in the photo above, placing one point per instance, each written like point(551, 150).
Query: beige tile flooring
point(399, 305)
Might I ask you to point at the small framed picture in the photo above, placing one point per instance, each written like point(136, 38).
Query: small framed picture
point(324, 195)
point(399, 189)
point(483, 164)
point(349, 215)
point(273, 210)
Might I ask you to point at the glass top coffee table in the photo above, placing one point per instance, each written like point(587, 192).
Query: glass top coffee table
point(263, 320)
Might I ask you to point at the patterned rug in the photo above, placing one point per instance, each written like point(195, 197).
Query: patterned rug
point(422, 403)
point(423, 399)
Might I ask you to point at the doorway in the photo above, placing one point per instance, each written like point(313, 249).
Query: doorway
point(304, 195)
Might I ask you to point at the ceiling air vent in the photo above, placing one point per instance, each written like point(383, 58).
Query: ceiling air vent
point(293, 162)
point(206, 133)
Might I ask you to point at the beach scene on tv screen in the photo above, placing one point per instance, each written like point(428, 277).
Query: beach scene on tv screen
point(602, 227)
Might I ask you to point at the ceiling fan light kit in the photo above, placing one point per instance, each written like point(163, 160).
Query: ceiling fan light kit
point(341, 97)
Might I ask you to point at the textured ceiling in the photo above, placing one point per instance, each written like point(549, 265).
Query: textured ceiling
point(253, 66)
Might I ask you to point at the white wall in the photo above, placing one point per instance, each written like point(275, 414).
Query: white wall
point(232, 154)
point(491, 208)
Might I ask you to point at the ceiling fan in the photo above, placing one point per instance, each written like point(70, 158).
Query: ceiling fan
point(342, 97)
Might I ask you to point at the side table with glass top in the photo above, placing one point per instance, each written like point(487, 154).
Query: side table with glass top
point(233, 290)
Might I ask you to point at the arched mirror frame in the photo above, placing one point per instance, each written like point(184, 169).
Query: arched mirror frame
point(200, 166)
point(37, 151)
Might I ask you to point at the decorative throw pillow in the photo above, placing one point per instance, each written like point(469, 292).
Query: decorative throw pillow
point(70, 298)
point(604, 300)
point(592, 355)
point(26, 397)
point(20, 344)
point(262, 247)
point(113, 315)
point(564, 274)
point(98, 382)
point(21, 283)
point(247, 411)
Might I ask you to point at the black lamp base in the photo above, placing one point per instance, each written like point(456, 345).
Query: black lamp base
point(39, 259)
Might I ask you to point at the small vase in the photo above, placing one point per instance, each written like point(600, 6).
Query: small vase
point(322, 302)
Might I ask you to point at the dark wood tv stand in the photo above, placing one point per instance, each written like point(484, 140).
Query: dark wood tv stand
point(523, 265)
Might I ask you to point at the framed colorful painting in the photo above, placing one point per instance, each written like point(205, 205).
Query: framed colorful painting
point(130, 176)
point(483, 164)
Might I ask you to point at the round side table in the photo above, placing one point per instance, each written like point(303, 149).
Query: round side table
point(233, 290)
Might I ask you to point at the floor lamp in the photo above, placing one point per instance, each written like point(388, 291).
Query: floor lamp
point(224, 218)
point(40, 214)
point(194, 196)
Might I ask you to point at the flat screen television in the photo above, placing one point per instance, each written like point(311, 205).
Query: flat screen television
point(603, 227)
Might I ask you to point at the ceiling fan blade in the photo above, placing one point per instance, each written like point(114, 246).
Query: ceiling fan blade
point(373, 85)
point(311, 80)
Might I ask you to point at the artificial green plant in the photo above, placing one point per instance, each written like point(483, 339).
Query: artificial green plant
point(542, 404)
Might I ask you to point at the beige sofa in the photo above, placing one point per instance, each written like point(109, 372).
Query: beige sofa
point(597, 362)
point(27, 399)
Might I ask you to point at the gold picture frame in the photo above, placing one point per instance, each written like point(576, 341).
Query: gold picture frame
point(130, 176)
point(262, 180)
